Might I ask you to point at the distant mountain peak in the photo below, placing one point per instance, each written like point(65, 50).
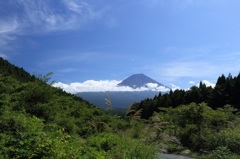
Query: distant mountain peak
point(138, 80)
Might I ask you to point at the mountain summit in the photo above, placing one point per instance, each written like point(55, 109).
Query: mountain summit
point(138, 80)
point(122, 99)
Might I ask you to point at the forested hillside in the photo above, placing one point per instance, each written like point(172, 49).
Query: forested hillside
point(9, 70)
point(226, 91)
point(204, 119)
point(40, 121)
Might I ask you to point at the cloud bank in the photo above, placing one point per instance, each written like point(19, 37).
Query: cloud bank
point(105, 85)
point(112, 85)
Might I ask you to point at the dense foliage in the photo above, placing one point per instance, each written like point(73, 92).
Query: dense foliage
point(210, 133)
point(7, 69)
point(203, 119)
point(40, 121)
point(226, 91)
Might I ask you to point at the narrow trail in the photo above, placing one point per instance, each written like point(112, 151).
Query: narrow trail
point(171, 156)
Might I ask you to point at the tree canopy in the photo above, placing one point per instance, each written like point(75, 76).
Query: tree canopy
point(226, 91)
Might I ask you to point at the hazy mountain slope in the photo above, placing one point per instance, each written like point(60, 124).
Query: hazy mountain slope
point(119, 99)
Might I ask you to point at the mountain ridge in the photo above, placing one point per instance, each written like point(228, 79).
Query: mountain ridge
point(123, 99)
point(138, 80)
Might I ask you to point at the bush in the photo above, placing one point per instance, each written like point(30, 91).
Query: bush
point(222, 153)
point(28, 137)
point(199, 127)
point(229, 138)
point(113, 146)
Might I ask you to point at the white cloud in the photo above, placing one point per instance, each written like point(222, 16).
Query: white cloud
point(208, 83)
point(39, 17)
point(105, 85)
point(174, 87)
point(81, 7)
point(191, 82)
point(74, 6)
point(8, 26)
point(42, 16)
point(152, 85)
point(5, 39)
point(9, 30)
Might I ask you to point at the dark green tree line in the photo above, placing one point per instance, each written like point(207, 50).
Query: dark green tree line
point(226, 91)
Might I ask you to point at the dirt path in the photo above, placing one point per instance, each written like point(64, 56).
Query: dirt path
point(171, 156)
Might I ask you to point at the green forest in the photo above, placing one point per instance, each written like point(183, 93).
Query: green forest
point(38, 120)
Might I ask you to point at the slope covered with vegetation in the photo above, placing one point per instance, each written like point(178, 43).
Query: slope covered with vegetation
point(226, 91)
point(40, 121)
point(203, 119)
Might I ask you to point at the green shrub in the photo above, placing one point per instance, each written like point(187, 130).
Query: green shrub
point(114, 146)
point(222, 153)
point(229, 138)
point(28, 137)
point(199, 127)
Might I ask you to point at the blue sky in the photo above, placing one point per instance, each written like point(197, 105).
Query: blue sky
point(176, 42)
